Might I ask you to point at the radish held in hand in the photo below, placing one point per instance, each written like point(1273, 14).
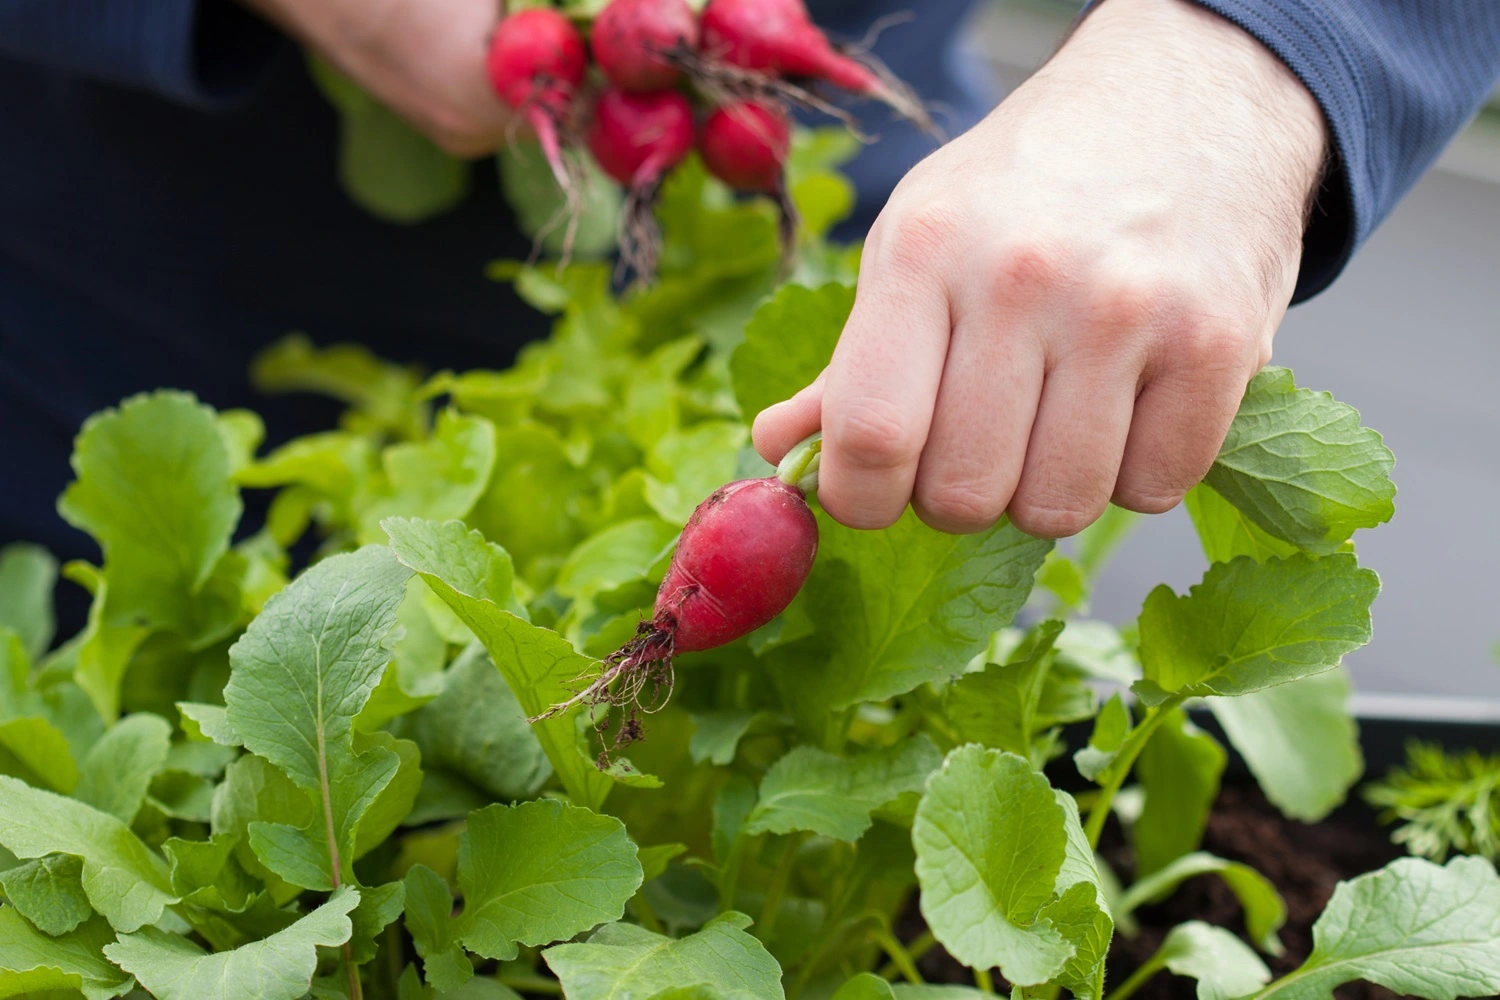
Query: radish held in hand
point(637, 139)
point(744, 555)
point(779, 38)
point(631, 37)
point(536, 63)
point(745, 144)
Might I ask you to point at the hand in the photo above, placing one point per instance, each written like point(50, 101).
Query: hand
point(423, 58)
point(1063, 306)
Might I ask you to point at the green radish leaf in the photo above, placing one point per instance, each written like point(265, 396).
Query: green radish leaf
point(1226, 532)
point(1250, 626)
point(1224, 967)
point(254, 791)
point(49, 892)
point(541, 872)
point(382, 395)
point(1265, 911)
point(624, 960)
point(539, 665)
point(477, 730)
point(321, 637)
point(528, 507)
point(1180, 769)
point(1013, 703)
point(540, 205)
point(771, 366)
point(687, 466)
point(379, 907)
point(1416, 928)
point(1111, 726)
point(717, 734)
point(441, 477)
point(28, 574)
point(122, 877)
point(878, 642)
point(1080, 912)
point(865, 986)
point(811, 789)
point(429, 921)
point(991, 839)
point(1298, 464)
point(208, 722)
point(620, 554)
point(206, 873)
point(32, 962)
point(154, 488)
point(279, 968)
point(37, 752)
point(1299, 740)
point(118, 769)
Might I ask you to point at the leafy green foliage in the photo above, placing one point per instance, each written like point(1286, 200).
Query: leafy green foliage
point(1445, 803)
point(1299, 465)
point(1413, 927)
point(1252, 625)
point(625, 962)
point(250, 776)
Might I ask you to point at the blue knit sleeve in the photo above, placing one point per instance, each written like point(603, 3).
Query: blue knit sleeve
point(1396, 79)
point(204, 53)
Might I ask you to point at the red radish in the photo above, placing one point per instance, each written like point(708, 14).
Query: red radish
point(779, 37)
point(744, 555)
point(637, 139)
point(536, 63)
point(630, 37)
point(745, 145)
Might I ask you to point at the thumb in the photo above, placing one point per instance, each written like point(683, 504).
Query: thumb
point(780, 428)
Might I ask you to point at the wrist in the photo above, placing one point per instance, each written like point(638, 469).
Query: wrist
point(1210, 83)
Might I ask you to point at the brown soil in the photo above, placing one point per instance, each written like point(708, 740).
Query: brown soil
point(1305, 862)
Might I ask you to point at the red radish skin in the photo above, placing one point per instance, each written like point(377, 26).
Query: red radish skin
point(744, 555)
point(536, 63)
point(630, 37)
point(778, 37)
point(637, 139)
point(745, 144)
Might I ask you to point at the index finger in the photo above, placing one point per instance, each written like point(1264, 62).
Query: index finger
point(881, 386)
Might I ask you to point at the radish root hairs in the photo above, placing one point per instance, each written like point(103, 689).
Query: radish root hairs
point(741, 559)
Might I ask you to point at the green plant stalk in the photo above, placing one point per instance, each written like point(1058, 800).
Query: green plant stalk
point(799, 467)
point(780, 878)
point(833, 925)
point(920, 945)
point(1138, 978)
point(645, 914)
point(899, 956)
point(1123, 762)
point(984, 982)
point(730, 877)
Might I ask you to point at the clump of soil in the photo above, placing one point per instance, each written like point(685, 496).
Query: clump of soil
point(1303, 861)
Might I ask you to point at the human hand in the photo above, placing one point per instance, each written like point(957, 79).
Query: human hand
point(1063, 306)
point(424, 59)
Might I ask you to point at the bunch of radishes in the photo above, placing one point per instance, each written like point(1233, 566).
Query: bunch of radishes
point(670, 79)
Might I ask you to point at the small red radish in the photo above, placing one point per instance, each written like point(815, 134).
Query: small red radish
point(536, 63)
point(637, 139)
point(742, 558)
point(630, 37)
point(778, 37)
point(745, 144)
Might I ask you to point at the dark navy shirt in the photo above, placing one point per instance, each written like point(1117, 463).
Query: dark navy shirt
point(169, 203)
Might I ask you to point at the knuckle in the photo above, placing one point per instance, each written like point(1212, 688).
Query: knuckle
point(872, 433)
point(1029, 269)
point(958, 508)
point(1052, 520)
point(918, 237)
